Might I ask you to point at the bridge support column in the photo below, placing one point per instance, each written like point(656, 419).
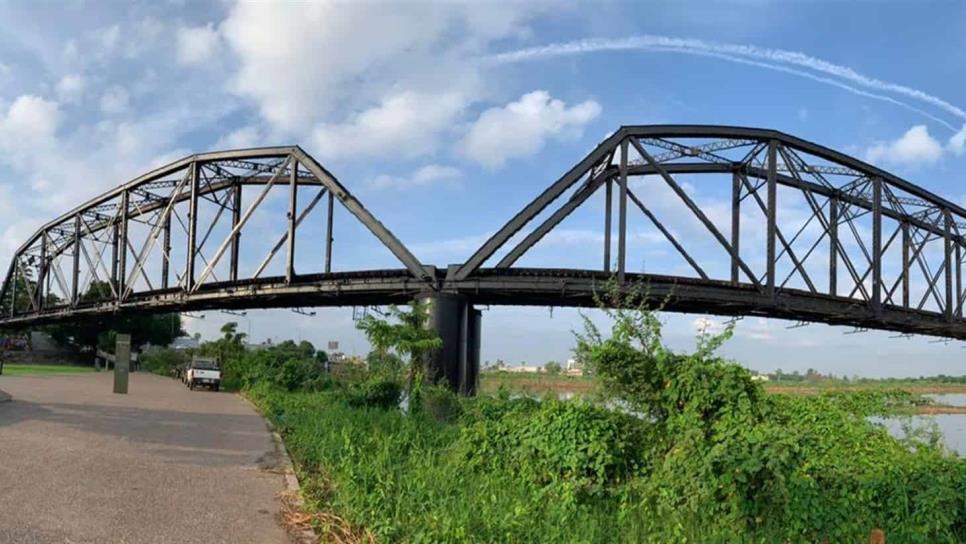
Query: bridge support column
point(122, 363)
point(458, 324)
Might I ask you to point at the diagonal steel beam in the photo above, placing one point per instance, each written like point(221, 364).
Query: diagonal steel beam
point(667, 234)
point(584, 192)
point(237, 228)
point(285, 237)
point(356, 208)
point(696, 211)
point(532, 209)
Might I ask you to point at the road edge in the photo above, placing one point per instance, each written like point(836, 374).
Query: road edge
point(293, 489)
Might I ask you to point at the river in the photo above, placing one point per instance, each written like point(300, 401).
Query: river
point(952, 426)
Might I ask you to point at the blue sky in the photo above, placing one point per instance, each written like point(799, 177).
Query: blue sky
point(445, 119)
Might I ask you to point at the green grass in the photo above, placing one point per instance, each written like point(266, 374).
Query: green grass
point(41, 370)
point(408, 479)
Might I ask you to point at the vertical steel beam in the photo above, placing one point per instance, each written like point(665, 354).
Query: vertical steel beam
point(877, 244)
point(292, 213)
point(833, 247)
point(166, 256)
point(905, 264)
point(622, 216)
point(959, 280)
point(236, 203)
point(608, 208)
point(16, 274)
point(735, 225)
point(772, 220)
point(122, 247)
point(115, 233)
point(189, 277)
point(328, 233)
point(948, 242)
point(75, 273)
point(42, 274)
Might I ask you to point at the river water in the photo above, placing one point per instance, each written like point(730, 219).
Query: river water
point(952, 426)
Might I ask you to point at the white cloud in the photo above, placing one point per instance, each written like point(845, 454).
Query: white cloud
point(28, 120)
point(521, 128)
point(406, 125)
point(241, 138)
point(114, 100)
point(957, 144)
point(431, 174)
point(197, 45)
point(70, 87)
point(330, 56)
point(915, 147)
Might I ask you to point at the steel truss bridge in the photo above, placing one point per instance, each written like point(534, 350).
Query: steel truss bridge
point(784, 228)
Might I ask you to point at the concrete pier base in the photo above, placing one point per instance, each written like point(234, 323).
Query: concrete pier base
point(457, 323)
point(5, 397)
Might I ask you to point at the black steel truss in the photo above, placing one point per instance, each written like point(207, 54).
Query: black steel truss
point(869, 250)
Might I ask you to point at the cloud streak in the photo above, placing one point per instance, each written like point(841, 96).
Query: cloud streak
point(790, 62)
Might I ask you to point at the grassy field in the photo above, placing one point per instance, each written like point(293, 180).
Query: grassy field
point(40, 370)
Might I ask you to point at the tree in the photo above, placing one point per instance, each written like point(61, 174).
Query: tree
point(385, 362)
point(403, 332)
point(552, 368)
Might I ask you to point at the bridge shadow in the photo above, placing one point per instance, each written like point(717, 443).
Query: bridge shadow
point(171, 436)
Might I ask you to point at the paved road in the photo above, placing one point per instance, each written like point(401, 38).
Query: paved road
point(79, 464)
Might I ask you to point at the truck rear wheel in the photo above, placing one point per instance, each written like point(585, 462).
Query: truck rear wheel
point(216, 387)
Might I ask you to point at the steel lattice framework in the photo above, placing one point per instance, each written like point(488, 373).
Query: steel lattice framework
point(809, 234)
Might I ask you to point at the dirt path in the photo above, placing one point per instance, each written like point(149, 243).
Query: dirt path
point(162, 464)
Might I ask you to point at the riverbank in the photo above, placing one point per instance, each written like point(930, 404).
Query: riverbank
point(574, 386)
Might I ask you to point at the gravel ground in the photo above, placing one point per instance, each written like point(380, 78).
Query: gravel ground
point(79, 464)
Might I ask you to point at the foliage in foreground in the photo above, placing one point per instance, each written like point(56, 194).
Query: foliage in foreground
point(684, 447)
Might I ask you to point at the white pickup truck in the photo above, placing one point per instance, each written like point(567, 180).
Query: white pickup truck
point(203, 372)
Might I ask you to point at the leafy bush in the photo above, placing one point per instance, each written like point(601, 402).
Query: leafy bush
point(440, 403)
point(730, 458)
point(291, 366)
point(162, 361)
point(579, 447)
point(295, 373)
point(376, 392)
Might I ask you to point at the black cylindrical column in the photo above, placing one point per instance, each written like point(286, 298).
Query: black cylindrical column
point(457, 362)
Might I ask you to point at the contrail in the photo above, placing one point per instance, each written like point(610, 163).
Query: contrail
point(775, 59)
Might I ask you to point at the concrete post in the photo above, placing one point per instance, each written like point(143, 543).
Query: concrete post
point(122, 363)
point(458, 325)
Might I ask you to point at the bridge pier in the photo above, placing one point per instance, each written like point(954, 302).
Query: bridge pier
point(457, 363)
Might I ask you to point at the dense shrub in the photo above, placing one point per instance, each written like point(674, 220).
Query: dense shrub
point(577, 447)
point(290, 366)
point(376, 392)
point(441, 404)
point(162, 361)
point(731, 458)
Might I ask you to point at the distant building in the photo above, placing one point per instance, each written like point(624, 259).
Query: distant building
point(523, 369)
point(574, 368)
point(760, 378)
point(185, 342)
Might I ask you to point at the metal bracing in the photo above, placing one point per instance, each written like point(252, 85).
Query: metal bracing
point(171, 198)
point(807, 233)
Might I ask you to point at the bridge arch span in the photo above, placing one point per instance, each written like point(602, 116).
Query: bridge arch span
point(799, 231)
